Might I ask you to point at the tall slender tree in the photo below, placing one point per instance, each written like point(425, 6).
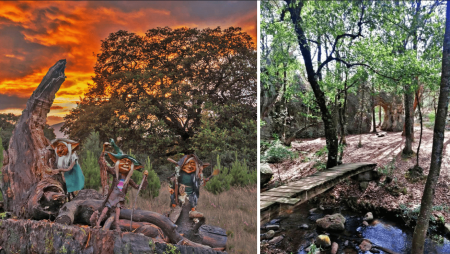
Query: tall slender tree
point(438, 146)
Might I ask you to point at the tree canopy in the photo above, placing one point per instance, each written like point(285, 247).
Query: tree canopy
point(158, 91)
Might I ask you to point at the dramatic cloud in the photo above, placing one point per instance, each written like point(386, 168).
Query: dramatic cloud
point(35, 35)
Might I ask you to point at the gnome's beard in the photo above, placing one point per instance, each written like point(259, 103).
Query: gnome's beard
point(66, 160)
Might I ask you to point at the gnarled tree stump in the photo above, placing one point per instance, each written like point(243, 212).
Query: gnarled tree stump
point(28, 157)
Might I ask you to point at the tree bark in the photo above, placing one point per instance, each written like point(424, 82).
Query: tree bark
point(421, 127)
point(28, 156)
point(374, 124)
point(438, 143)
point(329, 126)
point(409, 115)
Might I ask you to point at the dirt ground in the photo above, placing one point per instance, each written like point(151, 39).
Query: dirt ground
point(382, 150)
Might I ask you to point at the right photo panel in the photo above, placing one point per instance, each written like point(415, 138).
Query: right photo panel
point(354, 127)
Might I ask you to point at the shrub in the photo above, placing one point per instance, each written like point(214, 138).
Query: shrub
point(220, 182)
point(154, 184)
point(91, 171)
point(277, 153)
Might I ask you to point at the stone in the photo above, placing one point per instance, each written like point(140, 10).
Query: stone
point(323, 241)
point(447, 228)
point(363, 185)
point(313, 211)
point(269, 234)
point(276, 240)
point(266, 173)
point(333, 222)
point(368, 176)
point(365, 245)
point(272, 227)
point(334, 248)
point(365, 223)
point(381, 134)
point(368, 217)
point(303, 226)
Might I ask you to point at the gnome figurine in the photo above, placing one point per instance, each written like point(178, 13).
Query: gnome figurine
point(184, 186)
point(124, 166)
point(67, 162)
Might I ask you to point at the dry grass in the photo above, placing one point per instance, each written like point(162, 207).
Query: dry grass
point(234, 210)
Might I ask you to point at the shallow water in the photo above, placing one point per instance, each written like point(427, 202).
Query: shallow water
point(385, 232)
point(389, 235)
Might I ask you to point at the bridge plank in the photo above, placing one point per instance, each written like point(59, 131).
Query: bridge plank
point(300, 191)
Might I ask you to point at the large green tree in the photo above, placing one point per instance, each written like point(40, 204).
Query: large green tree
point(155, 90)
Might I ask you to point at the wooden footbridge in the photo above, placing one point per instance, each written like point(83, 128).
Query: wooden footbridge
point(300, 191)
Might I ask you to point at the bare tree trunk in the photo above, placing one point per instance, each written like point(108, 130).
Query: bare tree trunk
point(409, 114)
point(420, 231)
point(421, 127)
point(29, 160)
point(329, 126)
point(373, 109)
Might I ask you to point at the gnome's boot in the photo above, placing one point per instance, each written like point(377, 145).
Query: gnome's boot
point(194, 214)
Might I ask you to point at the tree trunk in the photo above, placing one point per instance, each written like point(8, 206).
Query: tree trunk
point(373, 109)
point(409, 115)
point(329, 126)
point(28, 156)
point(421, 127)
point(420, 231)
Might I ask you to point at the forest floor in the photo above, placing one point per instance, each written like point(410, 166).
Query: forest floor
point(234, 210)
point(386, 152)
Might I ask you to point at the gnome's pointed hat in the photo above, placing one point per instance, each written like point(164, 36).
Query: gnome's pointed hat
point(118, 155)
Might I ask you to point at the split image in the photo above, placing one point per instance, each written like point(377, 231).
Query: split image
point(128, 127)
point(354, 127)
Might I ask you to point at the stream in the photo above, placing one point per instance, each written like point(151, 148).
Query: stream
point(299, 229)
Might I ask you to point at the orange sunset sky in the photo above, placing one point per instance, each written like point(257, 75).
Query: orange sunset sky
point(35, 35)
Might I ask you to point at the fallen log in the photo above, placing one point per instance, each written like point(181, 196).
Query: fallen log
point(80, 210)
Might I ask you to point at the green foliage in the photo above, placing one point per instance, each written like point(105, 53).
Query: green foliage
point(320, 165)
point(431, 119)
point(154, 183)
point(1, 149)
point(388, 169)
point(277, 152)
point(322, 151)
point(220, 182)
point(89, 154)
point(171, 249)
point(313, 249)
point(213, 140)
point(91, 170)
point(238, 175)
point(241, 174)
point(92, 144)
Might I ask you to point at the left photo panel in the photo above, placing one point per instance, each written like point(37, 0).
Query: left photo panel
point(128, 127)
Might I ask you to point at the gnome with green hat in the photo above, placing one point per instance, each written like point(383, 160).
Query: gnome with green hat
point(124, 166)
point(67, 162)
